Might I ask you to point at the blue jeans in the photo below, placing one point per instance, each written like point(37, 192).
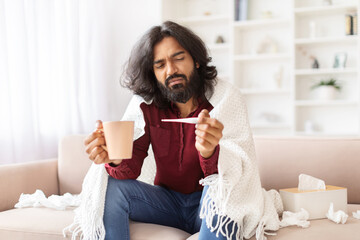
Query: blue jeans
point(141, 202)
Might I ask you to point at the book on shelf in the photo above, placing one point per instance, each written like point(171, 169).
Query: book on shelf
point(351, 25)
point(354, 24)
point(241, 10)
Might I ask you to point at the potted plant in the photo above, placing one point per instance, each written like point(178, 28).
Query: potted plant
point(327, 89)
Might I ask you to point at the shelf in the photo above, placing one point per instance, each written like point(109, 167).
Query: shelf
point(204, 19)
point(261, 23)
point(249, 91)
point(319, 103)
point(270, 125)
point(264, 56)
point(327, 134)
point(340, 39)
point(218, 46)
point(324, 9)
point(301, 72)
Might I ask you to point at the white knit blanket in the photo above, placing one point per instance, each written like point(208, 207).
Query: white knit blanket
point(235, 193)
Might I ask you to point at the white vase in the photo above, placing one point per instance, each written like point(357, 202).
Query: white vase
point(327, 92)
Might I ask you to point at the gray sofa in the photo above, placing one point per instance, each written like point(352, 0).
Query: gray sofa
point(280, 161)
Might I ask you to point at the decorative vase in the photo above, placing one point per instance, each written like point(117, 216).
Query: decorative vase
point(327, 92)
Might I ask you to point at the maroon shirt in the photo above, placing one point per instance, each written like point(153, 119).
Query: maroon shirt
point(179, 165)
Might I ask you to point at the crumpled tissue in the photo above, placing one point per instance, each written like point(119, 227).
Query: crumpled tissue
point(307, 183)
point(295, 219)
point(38, 199)
point(338, 216)
point(356, 214)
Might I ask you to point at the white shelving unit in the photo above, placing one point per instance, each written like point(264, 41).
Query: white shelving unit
point(268, 57)
point(320, 31)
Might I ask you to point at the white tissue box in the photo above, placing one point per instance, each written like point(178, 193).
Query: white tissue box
point(316, 202)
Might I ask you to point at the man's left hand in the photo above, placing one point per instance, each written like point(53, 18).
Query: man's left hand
point(208, 134)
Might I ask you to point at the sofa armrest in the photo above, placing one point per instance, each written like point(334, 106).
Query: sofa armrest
point(26, 178)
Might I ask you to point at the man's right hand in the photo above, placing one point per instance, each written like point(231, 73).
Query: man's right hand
point(94, 143)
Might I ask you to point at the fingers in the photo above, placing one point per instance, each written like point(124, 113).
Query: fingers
point(204, 145)
point(210, 136)
point(102, 157)
point(96, 133)
point(99, 124)
point(95, 152)
point(208, 133)
point(208, 128)
point(204, 118)
point(96, 142)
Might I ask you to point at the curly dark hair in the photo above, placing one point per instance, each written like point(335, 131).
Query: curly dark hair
point(139, 75)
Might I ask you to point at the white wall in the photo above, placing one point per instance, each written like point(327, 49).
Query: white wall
point(129, 21)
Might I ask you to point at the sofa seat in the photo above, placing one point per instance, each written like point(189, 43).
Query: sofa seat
point(47, 224)
point(34, 223)
point(320, 229)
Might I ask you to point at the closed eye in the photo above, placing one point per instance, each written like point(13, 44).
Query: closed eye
point(159, 66)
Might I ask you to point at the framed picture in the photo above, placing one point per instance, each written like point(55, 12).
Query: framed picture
point(340, 60)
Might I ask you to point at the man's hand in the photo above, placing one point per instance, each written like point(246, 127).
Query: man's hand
point(208, 134)
point(94, 143)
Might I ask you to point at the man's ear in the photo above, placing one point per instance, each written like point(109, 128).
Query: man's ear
point(197, 65)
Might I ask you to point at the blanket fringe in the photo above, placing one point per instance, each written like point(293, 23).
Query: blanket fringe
point(77, 232)
point(214, 207)
point(88, 223)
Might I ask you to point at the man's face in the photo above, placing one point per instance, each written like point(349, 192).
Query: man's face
point(174, 70)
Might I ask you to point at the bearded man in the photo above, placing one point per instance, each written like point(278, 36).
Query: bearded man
point(169, 69)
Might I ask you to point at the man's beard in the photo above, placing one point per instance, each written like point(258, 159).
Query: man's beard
point(181, 92)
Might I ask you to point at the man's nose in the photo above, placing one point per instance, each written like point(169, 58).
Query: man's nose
point(171, 69)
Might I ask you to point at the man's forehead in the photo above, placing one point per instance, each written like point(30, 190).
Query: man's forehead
point(167, 47)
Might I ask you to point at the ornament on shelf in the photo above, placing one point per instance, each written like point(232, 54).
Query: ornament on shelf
point(327, 89)
point(269, 117)
point(267, 45)
point(327, 2)
point(309, 126)
point(340, 60)
point(278, 77)
point(267, 14)
point(219, 39)
point(315, 62)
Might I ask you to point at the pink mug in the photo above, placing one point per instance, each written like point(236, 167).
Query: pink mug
point(119, 139)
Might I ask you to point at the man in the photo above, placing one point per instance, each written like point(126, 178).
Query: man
point(169, 69)
point(184, 154)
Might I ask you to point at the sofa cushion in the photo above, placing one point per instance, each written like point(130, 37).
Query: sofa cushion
point(321, 229)
point(34, 223)
point(335, 160)
point(73, 164)
point(47, 224)
point(147, 231)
